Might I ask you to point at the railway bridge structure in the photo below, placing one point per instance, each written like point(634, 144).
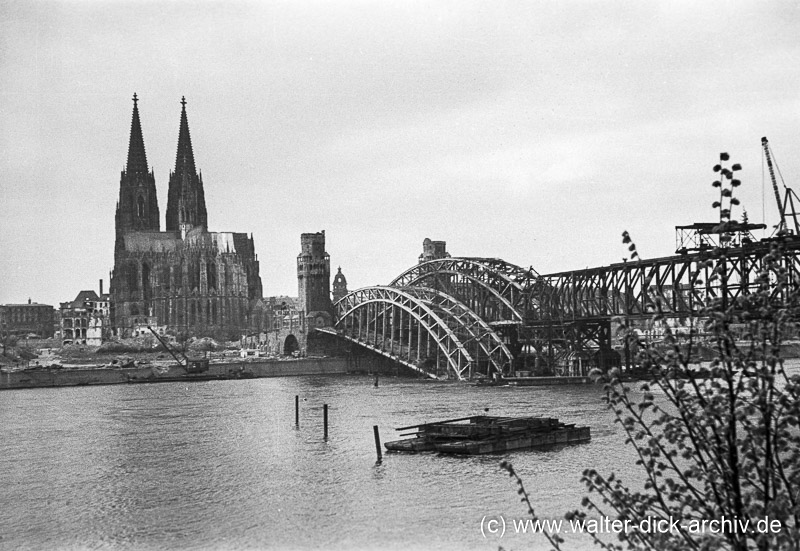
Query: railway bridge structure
point(470, 317)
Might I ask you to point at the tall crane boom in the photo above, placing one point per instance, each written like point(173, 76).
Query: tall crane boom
point(765, 145)
point(191, 366)
point(168, 349)
point(788, 198)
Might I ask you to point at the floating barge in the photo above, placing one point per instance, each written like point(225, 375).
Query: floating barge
point(484, 434)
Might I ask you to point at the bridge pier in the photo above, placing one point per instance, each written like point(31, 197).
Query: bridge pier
point(586, 344)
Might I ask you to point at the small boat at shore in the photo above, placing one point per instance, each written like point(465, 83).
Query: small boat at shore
point(481, 434)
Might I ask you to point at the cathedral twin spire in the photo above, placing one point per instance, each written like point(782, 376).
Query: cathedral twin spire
point(184, 160)
point(186, 202)
point(186, 205)
point(137, 159)
point(137, 207)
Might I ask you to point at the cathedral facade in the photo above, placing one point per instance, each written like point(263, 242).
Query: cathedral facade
point(184, 278)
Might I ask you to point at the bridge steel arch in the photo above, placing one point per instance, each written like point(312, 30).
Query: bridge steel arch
point(494, 289)
point(493, 354)
point(422, 328)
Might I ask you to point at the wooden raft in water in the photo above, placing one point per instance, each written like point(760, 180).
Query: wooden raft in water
point(484, 434)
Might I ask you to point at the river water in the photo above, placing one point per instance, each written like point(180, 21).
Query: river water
point(221, 465)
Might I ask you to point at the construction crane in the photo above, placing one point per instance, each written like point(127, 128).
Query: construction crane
point(788, 198)
point(197, 365)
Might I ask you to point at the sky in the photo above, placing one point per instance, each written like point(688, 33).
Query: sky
point(536, 132)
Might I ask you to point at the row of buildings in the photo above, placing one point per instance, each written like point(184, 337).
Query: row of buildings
point(86, 320)
point(183, 278)
point(83, 320)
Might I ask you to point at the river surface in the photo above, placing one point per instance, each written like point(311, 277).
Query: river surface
point(221, 465)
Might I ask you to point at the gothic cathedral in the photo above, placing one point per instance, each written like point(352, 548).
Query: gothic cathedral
point(185, 278)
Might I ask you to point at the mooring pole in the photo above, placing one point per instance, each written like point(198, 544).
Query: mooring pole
point(325, 419)
point(296, 410)
point(377, 443)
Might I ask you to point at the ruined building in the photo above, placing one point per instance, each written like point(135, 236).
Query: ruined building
point(433, 250)
point(184, 278)
point(85, 319)
point(314, 280)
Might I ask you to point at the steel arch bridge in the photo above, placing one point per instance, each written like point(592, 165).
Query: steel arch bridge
point(494, 289)
point(442, 318)
point(467, 317)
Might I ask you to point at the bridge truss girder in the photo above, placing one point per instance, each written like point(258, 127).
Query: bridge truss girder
point(565, 307)
point(495, 290)
point(424, 329)
point(679, 286)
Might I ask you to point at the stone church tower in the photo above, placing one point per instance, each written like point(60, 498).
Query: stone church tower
point(339, 286)
point(185, 278)
point(314, 280)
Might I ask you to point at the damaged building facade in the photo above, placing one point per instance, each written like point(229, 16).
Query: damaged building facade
point(185, 278)
point(85, 320)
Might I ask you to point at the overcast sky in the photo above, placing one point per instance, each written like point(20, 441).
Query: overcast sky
point(531, 131)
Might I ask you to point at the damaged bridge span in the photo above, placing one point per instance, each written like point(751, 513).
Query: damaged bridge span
point(467, 317)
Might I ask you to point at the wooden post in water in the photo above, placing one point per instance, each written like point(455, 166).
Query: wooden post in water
point(377, 443)
point(296, 410)
point(325, 419)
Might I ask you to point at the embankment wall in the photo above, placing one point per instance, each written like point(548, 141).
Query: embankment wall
point(45, 377)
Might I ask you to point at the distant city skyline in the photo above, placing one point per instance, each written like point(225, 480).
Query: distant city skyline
point(535, 132)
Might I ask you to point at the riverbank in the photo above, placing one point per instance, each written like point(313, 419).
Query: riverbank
point(51, 376)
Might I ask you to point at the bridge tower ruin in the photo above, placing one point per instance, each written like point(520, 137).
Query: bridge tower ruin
point(314, 280)
point(433, 250)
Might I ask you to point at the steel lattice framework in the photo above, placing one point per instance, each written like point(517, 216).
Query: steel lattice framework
point(423, 328)
point(571, 312)
point(679, 285)
point(495, 290)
